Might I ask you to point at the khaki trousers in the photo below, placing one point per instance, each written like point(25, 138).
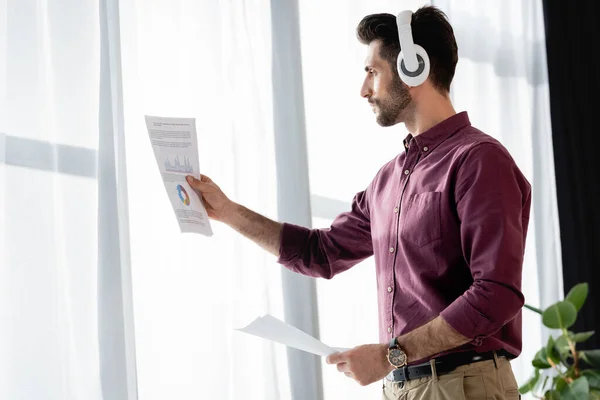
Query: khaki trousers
point(492, 379)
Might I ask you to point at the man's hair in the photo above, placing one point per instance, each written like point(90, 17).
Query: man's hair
point(430, 29)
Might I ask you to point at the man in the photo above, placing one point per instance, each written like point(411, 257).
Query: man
point(446, 220)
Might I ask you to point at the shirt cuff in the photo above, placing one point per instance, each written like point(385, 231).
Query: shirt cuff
point(467, 320)
point(293, 237)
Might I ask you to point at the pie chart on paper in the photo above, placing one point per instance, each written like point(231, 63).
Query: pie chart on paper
point(183, 196)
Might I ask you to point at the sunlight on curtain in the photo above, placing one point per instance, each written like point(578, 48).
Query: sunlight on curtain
point(49, 77)
point(209, 60)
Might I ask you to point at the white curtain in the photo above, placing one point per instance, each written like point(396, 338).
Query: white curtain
point(210, 60)
point(49, 102)
point(89, 243)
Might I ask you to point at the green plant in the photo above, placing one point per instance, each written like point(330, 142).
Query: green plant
point(562, 371)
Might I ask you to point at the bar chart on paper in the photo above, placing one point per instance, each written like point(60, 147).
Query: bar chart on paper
point(177, 166)
point(175, 146)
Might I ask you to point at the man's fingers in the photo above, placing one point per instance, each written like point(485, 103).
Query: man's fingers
point(195, 183)
point(343, 367)
point(335, 358)
point(205, 178)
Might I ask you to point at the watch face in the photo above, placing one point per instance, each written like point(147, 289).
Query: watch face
point(397, 357)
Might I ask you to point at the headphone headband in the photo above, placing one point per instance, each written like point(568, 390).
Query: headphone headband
point(406, 41)
point(413, 61)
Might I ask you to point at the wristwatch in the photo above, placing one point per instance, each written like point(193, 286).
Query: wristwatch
point(395, 355)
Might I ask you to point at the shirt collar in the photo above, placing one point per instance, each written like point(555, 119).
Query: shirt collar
point(431, 138)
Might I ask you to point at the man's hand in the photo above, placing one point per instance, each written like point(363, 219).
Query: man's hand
point(365, 364)
point(218, 206)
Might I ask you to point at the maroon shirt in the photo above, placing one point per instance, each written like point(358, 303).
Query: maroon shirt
point(446, 220)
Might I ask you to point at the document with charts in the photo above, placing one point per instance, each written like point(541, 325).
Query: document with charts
point(175, 145)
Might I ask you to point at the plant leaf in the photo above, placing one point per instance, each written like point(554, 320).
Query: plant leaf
point(552, 395)
point(580, 337)
point(540, 360)
point(559, 383)
point(527, 387)
point(591, 357)
point(540, 364)
point(577, 295)
point(560, 315)
point(593, 378)
point(552, 352)
point(562, 345)
point(579, 389)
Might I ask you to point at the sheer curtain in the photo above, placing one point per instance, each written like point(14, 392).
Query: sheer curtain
point(49, 200)
point(210, 60)
point(83, 210)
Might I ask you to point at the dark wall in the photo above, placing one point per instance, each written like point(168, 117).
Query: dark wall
point(573, 44)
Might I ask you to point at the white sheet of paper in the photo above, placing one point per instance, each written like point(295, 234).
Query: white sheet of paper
point(269, 327)
point(175, 145)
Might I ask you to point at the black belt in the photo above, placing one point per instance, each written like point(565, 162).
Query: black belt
point(443, 365)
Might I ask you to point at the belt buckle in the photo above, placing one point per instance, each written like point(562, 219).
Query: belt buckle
point(390, 379)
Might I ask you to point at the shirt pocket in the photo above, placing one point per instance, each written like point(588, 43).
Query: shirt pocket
point(421, 219)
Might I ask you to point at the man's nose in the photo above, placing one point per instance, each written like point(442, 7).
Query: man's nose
point(365, 91)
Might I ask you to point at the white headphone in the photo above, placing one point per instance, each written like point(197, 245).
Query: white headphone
point(413, 61)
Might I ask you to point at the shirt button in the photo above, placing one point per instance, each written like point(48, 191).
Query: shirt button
point(390, 329)
point(389, 289)
point(406, 172)
point(425, 148)
point(391, 249)
point(396, 210)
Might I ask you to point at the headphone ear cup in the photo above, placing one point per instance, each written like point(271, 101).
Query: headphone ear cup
point(414, 78)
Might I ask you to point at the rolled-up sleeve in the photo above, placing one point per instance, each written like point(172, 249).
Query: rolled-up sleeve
point(493, 201)
point(326, 252)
